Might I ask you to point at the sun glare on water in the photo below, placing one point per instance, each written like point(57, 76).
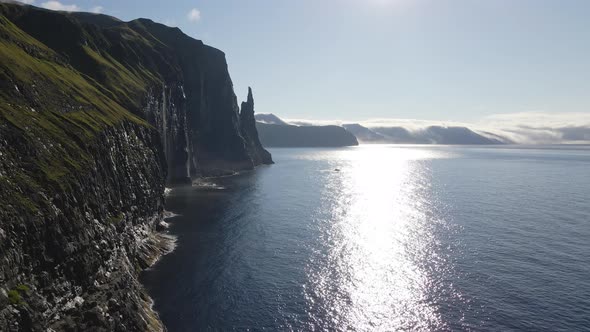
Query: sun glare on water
point(377, 235)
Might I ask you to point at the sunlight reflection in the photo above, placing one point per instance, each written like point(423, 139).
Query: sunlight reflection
point(369, 276)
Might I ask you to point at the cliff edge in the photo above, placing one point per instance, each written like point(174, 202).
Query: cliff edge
point(97, 116)
point(250, 133)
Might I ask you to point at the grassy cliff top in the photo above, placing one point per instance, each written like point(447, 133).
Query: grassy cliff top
point(50, 111)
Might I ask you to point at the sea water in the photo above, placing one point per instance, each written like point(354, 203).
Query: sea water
point(384, 238)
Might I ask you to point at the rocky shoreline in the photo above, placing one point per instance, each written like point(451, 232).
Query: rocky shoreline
point(115, 301)
point(95, 121)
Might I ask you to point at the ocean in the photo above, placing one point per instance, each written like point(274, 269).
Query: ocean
point(384, 238)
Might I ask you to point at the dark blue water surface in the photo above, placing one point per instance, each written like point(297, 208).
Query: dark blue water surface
point(384, 238)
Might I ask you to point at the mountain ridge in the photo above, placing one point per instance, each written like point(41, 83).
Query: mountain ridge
point(272, 135)
point(274, 132)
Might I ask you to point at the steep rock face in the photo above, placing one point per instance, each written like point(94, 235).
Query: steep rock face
point(96, 116)
point(250, 133)
point(180, 85)
point(81, 192)
point(71, 249)
point(209, 105)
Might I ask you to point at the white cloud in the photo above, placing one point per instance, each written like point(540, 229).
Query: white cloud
point(521, 128)
point(56, 5)
point(194, 15)
point(27, 2)
point(97, 9)
point(539, 127)
point(308, 122)
point(540, 119)
point(410, 124)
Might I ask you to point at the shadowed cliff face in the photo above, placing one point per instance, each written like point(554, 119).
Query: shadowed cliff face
point(96, 116)
point(250, 133)
point(179, 84)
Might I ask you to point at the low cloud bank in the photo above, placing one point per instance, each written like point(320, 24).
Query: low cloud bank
point(519, 128)
point(539, 127)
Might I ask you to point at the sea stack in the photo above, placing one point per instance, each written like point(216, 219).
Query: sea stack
point(250, 133)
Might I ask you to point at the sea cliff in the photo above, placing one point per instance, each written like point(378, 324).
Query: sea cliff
point(97, 116)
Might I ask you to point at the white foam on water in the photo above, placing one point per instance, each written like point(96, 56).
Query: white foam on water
point(207, 185)
point(170, 214)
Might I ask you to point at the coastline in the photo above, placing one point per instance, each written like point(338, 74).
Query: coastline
point(85, 160)
point(156, 245)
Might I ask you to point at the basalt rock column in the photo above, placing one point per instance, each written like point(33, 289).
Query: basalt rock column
point(250, 133)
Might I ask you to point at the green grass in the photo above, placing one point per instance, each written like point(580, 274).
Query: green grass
point(122, 82)
point(70, 111)
point(23, 288)
point(116, 219)
point(14, 297)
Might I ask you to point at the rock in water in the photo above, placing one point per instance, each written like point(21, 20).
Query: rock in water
point(250, 133)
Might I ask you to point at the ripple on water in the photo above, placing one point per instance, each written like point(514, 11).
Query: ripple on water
point(377, 255)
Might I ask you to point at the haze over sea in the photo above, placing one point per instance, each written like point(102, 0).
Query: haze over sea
point(384, 237)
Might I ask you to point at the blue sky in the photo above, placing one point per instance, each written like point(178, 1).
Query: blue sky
point(443, 60)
